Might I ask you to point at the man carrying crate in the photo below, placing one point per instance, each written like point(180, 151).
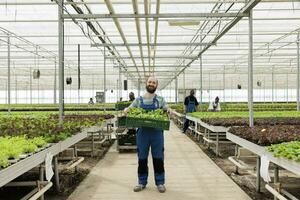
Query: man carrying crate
point(150, 137)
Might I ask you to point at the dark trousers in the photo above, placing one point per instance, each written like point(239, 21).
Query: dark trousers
point(154, 138)
point(186, 125)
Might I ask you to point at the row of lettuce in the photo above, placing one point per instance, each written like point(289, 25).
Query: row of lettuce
point(179, 107)
point(278, 131)
point(25, 134)
point(242, 107)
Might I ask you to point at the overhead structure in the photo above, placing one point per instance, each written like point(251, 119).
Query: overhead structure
point(163, 38)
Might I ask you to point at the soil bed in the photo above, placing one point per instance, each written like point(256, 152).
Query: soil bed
point(227, 122)
point(266, 135)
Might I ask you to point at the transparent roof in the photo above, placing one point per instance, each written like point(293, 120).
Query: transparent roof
point(164, 40)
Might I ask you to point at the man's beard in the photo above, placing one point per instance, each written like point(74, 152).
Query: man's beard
point(150, 89)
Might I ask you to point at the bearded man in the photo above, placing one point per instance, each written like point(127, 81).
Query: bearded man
point(150, 137)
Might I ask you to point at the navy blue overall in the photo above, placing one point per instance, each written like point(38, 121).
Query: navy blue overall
point(191, 107)
point(154, 138)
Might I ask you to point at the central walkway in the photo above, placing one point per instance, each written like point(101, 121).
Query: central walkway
point(190, 175)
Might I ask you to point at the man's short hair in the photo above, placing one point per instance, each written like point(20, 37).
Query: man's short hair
point(192, 92)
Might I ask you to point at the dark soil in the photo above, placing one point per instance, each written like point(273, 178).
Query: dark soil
point(266, 135)
point(245, 180)
point(245, 122)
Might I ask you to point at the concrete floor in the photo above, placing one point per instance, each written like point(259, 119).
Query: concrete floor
point(190, 175)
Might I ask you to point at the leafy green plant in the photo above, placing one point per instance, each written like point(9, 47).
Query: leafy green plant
point(29, 147)
point(288, 150)
point(157, 114)
point(3, 160)
point(39, 141)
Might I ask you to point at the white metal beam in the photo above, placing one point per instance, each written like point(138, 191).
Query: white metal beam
point(162, 15)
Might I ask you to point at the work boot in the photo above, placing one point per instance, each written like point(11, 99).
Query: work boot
point(139, 188)
point(161, 188)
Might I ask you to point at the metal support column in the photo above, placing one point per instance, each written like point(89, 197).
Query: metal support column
point(224, 98)
point(139, 87)
point(30, 84)
point(250, 71)
point(42, 178)
point(298, 72)
point(79, 83)
point(6, 94)
point(264, 90)
point(16, 88)
point(176, 90)
point(276, 177)
point(201, 82)
point(201, 75)
point(119, 85)
point(56, 173)
point(209, 100)
point(183, 77)
point(8, 73)
point(287, 88)
point(258, 174)
point(104, 75)
point(36, 64)
point(54, 88)
point(61, 59)
point(272, 85)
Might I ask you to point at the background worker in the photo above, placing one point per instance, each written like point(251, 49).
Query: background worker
point(150, 137)
point(91, 102)
point(190, 105)
point(131, 96)
point(215, 105)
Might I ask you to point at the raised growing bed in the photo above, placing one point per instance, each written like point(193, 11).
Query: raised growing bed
point(226, 122)
point(10, 173)
point(266, 135)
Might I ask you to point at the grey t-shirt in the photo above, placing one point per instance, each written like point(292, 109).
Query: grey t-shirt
point(148, 101)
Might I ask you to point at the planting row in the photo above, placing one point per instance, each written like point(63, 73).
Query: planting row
point(243, 107)
point(19, 146)
point(20, 135)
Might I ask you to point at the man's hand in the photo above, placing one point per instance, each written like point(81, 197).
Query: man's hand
point(125, 111)
point(169, 110)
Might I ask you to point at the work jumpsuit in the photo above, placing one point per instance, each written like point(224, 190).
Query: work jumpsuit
point(191, 107)
point(154, 138)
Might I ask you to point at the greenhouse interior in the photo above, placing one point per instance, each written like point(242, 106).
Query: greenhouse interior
point(89, 87)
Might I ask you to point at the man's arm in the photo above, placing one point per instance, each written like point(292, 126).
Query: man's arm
point(164, 104)
point(134, 104)
point(196, 102)
point(186, 102)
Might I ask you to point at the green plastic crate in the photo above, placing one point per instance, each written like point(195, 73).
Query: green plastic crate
point(121, 121)
point(132, 122)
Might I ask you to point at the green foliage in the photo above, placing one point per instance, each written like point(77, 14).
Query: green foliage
point(3, 160)
point(157, 114)
point(39, 141)
point(25, 134)
point(289, 150)
point(263, 114)
point(241, 107)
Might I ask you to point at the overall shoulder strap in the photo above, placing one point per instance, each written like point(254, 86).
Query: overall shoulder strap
point(141, 99)
point(155, 100)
